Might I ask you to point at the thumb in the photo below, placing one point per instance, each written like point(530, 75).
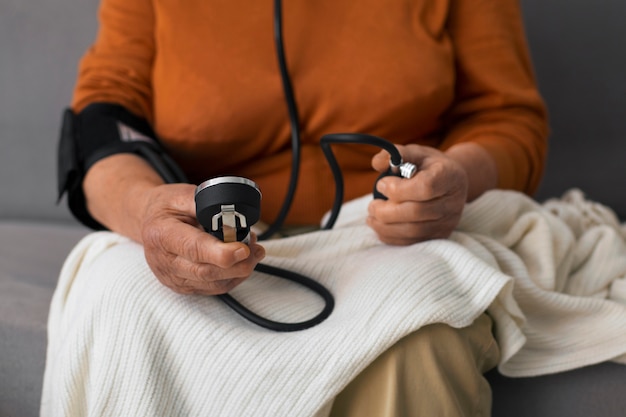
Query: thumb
point(380, 161)
point(410, 153)
point(183, 198)
point(416, 154)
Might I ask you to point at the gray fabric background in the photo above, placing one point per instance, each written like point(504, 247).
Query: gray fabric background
point(41, 42)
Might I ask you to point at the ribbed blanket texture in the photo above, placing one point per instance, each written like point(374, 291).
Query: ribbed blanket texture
point(552, 275)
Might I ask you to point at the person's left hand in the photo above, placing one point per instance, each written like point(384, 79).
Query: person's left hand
point(427, 206)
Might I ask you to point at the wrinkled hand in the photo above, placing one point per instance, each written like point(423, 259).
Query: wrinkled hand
point(182, 255)
point(427, 206)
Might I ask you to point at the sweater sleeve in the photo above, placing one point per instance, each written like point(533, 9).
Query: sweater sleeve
point(118, 66)
point(497, 102)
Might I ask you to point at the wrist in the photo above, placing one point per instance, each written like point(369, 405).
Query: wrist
point(117, 191)
point(481, 169)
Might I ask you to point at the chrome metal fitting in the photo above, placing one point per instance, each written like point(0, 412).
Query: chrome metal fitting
point(405, 169)
point(229, 217)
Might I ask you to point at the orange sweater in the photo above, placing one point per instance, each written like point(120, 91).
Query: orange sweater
point(433, 72)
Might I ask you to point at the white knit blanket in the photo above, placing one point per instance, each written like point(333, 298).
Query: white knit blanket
point(553, 276)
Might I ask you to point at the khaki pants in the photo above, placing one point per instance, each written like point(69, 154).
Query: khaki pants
point(436, 371)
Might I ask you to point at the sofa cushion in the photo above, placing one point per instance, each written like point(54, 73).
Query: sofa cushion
point(596, 390)
point(31, 256)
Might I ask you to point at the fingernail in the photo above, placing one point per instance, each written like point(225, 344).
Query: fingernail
point(259, 253)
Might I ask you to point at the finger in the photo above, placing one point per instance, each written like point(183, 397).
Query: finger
point(409, 211)
point(410, 233)
point(183, 286)
point(182, 239)
point(186, 277)
point(413, 153)
point(217, 287)
point(434, 180)
point(380, 161)
point(182, 199)
point(209, 272)
point(207, 287)
point(194, 272)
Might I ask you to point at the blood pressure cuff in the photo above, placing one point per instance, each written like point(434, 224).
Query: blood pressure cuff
point(99, 131)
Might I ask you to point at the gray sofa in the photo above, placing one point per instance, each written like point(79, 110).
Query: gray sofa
point(577, 48)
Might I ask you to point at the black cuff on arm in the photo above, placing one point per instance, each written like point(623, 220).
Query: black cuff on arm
point(102, 130)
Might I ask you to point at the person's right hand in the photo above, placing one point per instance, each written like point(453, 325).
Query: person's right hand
point(181, 254)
